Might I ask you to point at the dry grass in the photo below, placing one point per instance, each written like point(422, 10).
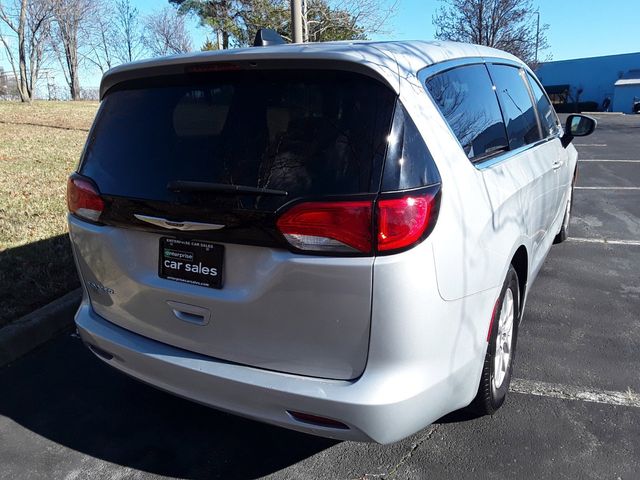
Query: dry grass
point(40, 145)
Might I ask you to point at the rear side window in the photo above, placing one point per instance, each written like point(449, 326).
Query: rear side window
point(467, 101)
point(515, 101)
point(308, 132)
point(548, 118)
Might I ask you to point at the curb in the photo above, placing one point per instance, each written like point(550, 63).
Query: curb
point(38, 327)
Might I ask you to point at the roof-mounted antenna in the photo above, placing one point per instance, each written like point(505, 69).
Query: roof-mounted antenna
point(266, 37)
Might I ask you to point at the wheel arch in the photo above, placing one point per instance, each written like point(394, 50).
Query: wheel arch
point(520, 263)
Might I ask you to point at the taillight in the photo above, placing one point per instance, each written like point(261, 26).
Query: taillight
point(328, 226)
point(346, 227)
point(402, 221)
point(83, 199)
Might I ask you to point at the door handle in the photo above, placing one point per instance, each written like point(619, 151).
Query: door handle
point(556, 165)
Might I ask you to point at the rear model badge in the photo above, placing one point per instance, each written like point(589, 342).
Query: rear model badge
point(98, 287)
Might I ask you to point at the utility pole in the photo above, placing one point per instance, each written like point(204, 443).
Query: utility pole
point(296, 21)
point(537, 34)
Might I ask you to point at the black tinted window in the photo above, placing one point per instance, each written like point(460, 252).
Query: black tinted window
point(409, 163)
point(548, 117)
point(306, 132)
point(519, 115)
point(466, 99)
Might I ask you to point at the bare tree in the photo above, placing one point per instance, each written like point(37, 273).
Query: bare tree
point(129, 38)
point(70, 30)
point(509, 25)
point(166, 33)
point(345, 19)
point(101, 35)
point(114, 35)
point(30, 21)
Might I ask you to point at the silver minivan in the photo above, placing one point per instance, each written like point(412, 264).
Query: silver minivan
point(336, 238)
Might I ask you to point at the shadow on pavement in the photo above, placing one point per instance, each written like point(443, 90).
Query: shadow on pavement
point(35, 274)
point(62, 393)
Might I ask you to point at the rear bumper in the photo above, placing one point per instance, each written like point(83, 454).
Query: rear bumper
point(383, 405)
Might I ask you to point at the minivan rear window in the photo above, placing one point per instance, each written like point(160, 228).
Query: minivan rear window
point(307, 132)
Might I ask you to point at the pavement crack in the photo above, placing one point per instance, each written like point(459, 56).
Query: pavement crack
point(417, 444)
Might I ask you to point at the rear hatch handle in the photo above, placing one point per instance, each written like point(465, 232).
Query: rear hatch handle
point(173, 225)
point(190, 313)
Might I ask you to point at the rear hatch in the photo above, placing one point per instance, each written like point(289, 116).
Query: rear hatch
point(194, 171)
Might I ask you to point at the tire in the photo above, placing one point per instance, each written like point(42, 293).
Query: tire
point(498, 362)
point(563, 234)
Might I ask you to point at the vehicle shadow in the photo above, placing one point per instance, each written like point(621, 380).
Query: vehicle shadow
point(34, 274)
point(64, 395)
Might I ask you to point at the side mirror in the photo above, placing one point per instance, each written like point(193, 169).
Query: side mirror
point(577, 126)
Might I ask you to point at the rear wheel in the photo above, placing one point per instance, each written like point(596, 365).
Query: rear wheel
point(498, 362)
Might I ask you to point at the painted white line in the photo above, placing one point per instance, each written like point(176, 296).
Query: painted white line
point(566, 392)
point(606, 188)
point(603, 160)
point(590, 144)
point(604, 241)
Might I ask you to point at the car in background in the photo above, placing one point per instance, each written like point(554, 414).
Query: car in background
point(336, 238)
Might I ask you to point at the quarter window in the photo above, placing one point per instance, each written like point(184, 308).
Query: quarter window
point(409, 163)
point(517, 108)
point(466, 99)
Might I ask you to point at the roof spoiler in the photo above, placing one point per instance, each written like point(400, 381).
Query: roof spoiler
point(266, 37)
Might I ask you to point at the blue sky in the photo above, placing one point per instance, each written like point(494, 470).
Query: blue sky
point(577, 28)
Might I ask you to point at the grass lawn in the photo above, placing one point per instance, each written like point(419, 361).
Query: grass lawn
point(40, 145)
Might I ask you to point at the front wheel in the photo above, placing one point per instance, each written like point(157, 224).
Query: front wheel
point(498, 362)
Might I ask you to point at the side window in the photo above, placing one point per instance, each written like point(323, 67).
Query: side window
point(519, 115)
point(466, 99)
point(548, 118)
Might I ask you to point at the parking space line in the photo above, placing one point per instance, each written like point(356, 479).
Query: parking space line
point(605, 241)
point(607, 160)
point(567, 392)
point(606, 188)
point(590, 144)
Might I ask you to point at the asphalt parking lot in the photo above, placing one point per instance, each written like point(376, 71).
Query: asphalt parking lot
point(574, 411)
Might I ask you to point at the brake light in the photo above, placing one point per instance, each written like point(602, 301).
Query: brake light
point(328, 226)
point(347, 226)
point(83, 199)
point(402, 221)
point(212, 67)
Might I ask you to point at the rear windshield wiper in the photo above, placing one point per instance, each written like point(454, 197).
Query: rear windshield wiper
point(187, 186)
